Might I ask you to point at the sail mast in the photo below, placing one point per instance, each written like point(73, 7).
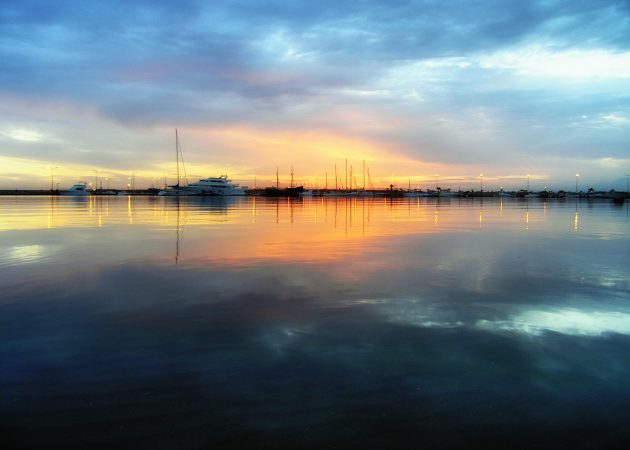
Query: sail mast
point(364, 174)
point(351, 186)
point(177, 155)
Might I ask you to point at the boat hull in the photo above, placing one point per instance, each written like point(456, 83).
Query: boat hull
point(74, 194)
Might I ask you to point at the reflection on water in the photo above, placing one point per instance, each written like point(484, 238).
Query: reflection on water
point(565, 321)
point(133, 322)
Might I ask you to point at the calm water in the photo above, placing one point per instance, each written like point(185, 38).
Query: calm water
point(319, 323)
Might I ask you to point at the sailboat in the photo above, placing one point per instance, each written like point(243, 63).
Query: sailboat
point(176, 189)
point(275, 191)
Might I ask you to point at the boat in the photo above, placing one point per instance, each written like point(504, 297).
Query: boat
point(176, 190)
point(220, 186)
point(276, 191)
point(417, 193)
point(447, 193)
point(284, 192)
point(314, 193)
point(340, 193)
point(77, 190)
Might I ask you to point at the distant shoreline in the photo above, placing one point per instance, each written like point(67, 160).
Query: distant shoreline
point(28, 192)
point(56, 192)
point(617, 196)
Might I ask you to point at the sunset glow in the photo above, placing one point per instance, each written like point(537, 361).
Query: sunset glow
point(528, 88)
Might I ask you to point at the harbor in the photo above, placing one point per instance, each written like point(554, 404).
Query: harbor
point(222, 188)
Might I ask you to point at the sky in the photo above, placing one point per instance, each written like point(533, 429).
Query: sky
point(415, 91)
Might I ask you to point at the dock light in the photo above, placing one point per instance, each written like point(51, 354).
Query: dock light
point(528, 183)
point(52, 177)
point(577, 176)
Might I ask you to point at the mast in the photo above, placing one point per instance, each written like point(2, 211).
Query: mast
point(291, 177)
point(326, 181)
point(364, 174)
point(181, 157)
point(346, 173)
point(351, 179)
point(177, 155)
point(277, 179)
point(336, 188)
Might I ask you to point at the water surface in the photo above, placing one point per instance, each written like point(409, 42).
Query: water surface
point(144, 322)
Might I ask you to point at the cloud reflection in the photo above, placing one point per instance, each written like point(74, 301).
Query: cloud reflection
point(328, 328)
point(565, 321)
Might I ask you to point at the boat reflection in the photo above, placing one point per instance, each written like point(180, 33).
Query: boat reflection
point(292, 229)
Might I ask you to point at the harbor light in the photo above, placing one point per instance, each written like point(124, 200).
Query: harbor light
point(52, 177)
point(528, 183)
point(577, 176)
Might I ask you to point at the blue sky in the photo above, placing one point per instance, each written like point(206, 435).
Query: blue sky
point(414, 88)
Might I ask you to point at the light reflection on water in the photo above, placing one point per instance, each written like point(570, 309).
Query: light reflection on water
point(249, 322)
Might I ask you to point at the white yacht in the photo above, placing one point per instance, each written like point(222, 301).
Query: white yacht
point(78, 190)
point(217, 186)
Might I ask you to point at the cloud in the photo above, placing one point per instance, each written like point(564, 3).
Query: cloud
point(446, 82)
point(19, 134)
